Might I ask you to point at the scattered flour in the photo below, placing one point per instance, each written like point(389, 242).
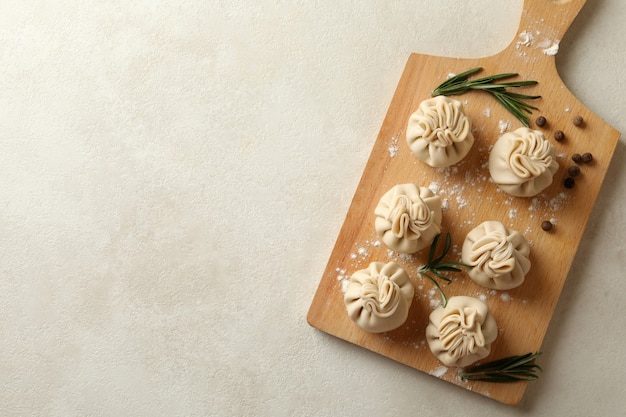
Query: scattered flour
point(503, 126)
point(526, 39)
point(434, 187)
point(439, 371)
point(552, 49)
point(393, 147)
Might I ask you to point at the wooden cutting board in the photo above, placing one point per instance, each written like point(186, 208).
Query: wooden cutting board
point(522, 314)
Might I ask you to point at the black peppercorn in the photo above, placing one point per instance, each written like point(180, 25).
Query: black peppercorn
point(573, 171)
point(546, 225)
point(578, 121)
point(577, 158)
point(569, 182)
point(559, 135)
point(587, 157)
point(541, 121)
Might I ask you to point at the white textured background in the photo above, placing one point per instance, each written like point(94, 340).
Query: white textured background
point(173, 176)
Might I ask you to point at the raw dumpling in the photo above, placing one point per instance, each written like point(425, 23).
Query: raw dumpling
point(498, 256)
point(378, 298)
point(439, 133)
point(462, 332)
point(408, 217)
point(522, 163)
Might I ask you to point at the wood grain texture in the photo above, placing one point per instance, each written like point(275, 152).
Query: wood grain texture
point(469, 197)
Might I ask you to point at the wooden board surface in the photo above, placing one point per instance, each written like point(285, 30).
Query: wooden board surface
point(469, 198)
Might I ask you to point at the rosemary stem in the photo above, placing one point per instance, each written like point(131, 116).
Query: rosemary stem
point(512, 102)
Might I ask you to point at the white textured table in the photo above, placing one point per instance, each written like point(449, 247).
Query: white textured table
point(174, 176)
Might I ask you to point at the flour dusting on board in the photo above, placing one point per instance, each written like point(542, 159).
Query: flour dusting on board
point(393, 147)
point(552, 49)
point(439, 371)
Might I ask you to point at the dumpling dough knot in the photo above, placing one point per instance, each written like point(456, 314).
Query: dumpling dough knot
point(462, 332)
point(523, 162)
point(408, 217)
point(493, 253)
point(380, 295)
point(439, 133)
point(378, 298)
point(498, 256)
point(531, 156)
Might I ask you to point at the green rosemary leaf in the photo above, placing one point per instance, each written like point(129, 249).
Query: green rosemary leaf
point(513, 107)
point(449, 268)
point(446, 246)
point(441, 276)
point(433, 248)
point(512, 102)
point(459, 77)
point(444, 299)
point(444, 252)
point(509, 369)
point(504, 363)
point(435, 266)
point(453, 264)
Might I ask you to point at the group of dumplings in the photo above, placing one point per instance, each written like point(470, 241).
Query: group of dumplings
point(522, 163)
point(408, 217)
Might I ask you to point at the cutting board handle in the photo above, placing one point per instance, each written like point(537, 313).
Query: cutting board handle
point(549, 19)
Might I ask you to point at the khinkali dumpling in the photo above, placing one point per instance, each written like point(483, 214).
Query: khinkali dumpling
point(408, 217)
point(462, 332)
point(439, 133)
point(378, 298)
point(523, 162)
point(498, 256)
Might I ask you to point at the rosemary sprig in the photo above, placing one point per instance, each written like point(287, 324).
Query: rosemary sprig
point(509, 369)
point(435, 265)
point(512, 102)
